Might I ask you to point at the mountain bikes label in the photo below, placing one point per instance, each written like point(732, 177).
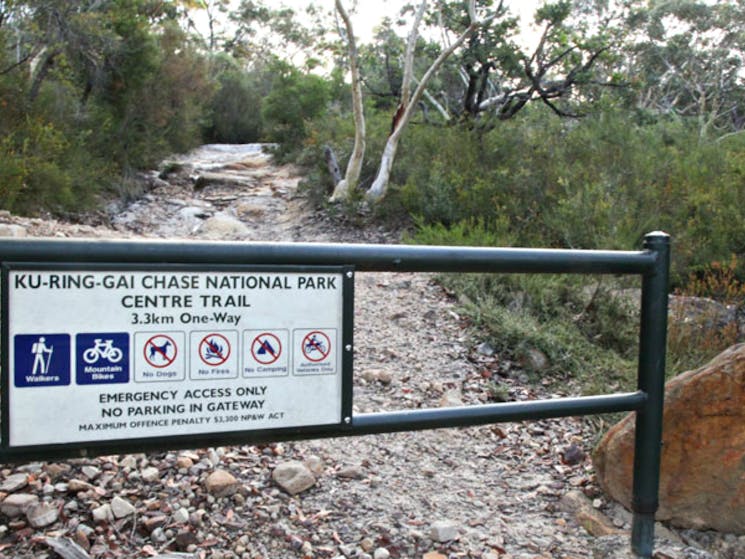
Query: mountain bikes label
point(102, 358)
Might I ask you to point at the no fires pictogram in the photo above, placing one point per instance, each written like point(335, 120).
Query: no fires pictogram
point(214, 350)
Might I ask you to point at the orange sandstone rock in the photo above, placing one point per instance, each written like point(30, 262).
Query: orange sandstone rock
point(702, 481)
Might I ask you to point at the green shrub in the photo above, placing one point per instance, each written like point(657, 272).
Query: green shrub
point(296, 98)
point(235, 109)
point(588, 333)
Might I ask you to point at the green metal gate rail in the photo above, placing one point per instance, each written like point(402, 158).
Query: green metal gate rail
point(652, 264)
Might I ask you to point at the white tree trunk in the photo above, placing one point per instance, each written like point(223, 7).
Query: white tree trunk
point(354, 166)
point(379, 186)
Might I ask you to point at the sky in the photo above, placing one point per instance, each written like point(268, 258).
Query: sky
point(369, 13)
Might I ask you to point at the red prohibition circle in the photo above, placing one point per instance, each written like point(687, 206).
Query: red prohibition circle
point(273, 352)
point(152, 349)
point(214, 351)
point(311, 343)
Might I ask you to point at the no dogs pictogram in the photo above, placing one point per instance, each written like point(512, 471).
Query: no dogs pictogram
point(316, 346)
point(266, 348)
point(214, 350)
point(160, 351)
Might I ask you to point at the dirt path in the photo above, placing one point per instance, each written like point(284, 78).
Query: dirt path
point(484, 492)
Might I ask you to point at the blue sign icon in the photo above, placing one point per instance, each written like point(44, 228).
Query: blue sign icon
point(41, 360)
point(102, 358)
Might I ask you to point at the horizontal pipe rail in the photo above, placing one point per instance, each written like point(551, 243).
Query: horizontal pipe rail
point(411, 420)
point(367, 258)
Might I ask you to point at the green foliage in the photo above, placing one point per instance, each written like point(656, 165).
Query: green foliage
point(43, 170)
point(295, 99)
point(602, 181)
point(114, 88)
point(235, 110)
point(589, 340)
point(696, 338)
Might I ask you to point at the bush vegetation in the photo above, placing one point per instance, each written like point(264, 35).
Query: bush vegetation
point(598, 182)
point(119, 85)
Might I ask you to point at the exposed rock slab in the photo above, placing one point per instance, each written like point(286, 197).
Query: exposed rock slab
point(702, 483)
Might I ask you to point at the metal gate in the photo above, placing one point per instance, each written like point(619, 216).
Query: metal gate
point(342, 261)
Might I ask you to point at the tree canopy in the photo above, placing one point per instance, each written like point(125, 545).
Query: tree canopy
point(448, 110)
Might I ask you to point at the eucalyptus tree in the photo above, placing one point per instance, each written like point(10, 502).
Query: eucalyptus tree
point(484, 75)
point(687, 59)
point(495, 77)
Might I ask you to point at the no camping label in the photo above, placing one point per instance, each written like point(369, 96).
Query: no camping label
point(156, 353)
point(267, 353)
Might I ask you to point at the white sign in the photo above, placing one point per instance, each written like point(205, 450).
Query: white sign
point(110, 355)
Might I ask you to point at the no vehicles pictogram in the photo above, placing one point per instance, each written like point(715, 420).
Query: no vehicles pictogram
point(214, 350)
point(160, 351)
point(266, 348)
point(316, 346)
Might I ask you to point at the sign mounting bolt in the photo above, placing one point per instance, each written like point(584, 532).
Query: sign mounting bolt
point(350, 275)
point(347, 420)
point(348, 347)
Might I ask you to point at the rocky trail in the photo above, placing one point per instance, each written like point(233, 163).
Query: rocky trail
point(518, 490)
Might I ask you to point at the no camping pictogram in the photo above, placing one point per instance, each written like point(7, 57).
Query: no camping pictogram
point(316, 346)
point(214, 350)
point(160, 351)
point(266, 348)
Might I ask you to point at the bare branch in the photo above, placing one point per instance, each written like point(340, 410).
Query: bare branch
point(409, 57)
point(557, 110)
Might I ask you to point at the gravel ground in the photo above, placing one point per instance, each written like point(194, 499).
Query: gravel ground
point(489, 492)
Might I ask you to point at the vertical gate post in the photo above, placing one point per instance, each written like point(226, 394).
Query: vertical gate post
point(648, 443)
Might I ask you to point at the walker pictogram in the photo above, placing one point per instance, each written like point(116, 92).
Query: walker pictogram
point(316, 346)
point(160, 351)
point(266, 348)
point(102, 349)
point(42, 356)
point(41, 360)
point(214, 350)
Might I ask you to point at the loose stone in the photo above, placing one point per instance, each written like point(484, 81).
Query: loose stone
point(294, 477)
point(221, 484)
point(17, 504)
point(150, 475)
point(42, 515)
point(121, 507)
point(13, 483)
point(443, 531)
point(103, 513)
